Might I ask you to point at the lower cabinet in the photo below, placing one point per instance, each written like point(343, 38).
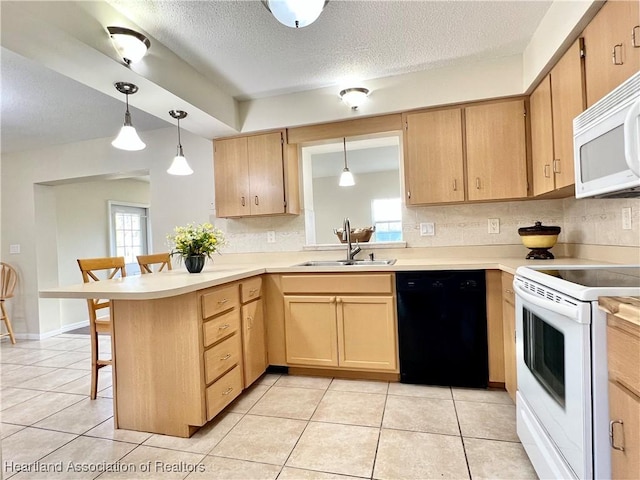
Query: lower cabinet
point(509, 334)
point(254, 346)
point(341, 321)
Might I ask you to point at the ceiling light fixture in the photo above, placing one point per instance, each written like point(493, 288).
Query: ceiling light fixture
point(128, 138)
point(295, 13)
point(129, 44)
point(346, 178)
point(179, 166)
point(354, 97)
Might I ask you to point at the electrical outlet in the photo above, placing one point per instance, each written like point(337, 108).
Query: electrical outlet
point(271, 236)
point(14, 248)
point(626, 218)
point(494, 225)
point(427, 229)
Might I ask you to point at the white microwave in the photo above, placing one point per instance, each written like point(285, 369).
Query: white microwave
point(606, 144)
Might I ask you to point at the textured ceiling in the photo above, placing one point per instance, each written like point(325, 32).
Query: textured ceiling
point(238, 46)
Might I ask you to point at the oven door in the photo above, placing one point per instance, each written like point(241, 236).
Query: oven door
point(554, 372)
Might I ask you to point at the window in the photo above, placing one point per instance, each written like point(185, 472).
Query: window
point(387, 218)
point(128, 234)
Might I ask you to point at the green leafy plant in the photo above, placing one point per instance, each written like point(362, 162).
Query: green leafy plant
point(192, 239)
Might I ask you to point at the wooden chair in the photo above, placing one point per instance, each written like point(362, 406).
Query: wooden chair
point(110, 267)
point(147, 261)
point(8, 279)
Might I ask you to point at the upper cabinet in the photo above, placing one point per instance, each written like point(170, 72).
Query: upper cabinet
point(554, 104)
point(612, 47)
point(496, 150)
point(433, 158)
point(255, 175)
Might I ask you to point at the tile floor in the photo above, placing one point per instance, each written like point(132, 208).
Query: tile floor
point(284, 427)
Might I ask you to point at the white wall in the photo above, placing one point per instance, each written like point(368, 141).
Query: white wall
point(177, 200)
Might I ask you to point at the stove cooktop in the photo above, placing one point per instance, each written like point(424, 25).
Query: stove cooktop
point(586, 282)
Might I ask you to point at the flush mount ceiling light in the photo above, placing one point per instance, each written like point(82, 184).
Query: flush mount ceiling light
point(346, 178)
point(129, 44)
point(295, 13)
point(179, 166)
point(128, 138)
point(354, 96)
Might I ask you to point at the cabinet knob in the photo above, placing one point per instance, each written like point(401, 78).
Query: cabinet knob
point(614, 54)
point(612, 441)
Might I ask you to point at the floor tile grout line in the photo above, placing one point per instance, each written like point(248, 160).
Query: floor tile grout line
point(375, 454)
point(464, 449)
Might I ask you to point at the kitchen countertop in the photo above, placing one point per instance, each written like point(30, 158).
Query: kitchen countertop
point(626, 308)
point(178, 281)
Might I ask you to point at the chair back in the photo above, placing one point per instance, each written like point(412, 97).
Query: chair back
point(161, 260)
point(92, 269)
point(8, 279)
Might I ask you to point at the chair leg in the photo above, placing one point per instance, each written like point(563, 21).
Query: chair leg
point(5, 318)
point(94, 363)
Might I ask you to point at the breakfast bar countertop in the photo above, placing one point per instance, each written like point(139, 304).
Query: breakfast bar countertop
point(178, 281)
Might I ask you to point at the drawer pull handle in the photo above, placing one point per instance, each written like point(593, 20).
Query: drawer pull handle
point(226, 357)
point(556, 166)
point(546, 171)
point(635, 38)
point(614, 54)
point(250, 322)
point(223, 301)
point(478, 183)
point(455, 185)
point(242, 201)
point(509, 291)
point(227, 391)
point(612, 441)
point(253, 291)
point(224, 327)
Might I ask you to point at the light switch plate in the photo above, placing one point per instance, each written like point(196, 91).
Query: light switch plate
point(494, 225)
point(427, 229)
point(626, 218)
point(15, 248)
point(271, 236)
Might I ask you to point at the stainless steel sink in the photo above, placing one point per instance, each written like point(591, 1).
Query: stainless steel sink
point(346, 263)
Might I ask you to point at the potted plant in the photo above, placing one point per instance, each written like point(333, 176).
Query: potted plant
point(194, 243)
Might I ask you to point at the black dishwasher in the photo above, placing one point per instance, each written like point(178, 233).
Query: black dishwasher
point(442, 328)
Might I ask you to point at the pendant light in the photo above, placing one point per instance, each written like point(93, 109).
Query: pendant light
point(346, 178)
point(179, 166)
point(128, 138)
point(295, 13)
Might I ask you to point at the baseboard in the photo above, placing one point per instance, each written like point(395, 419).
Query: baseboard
point(52, 333)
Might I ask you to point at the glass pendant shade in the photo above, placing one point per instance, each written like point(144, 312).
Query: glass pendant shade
point(295, 13)
point(346, 178)
point(354, 97)
point(129, 44)
point(128, 139)
point(179, 166)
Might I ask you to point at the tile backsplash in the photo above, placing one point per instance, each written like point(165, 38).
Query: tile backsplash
point(585, 221)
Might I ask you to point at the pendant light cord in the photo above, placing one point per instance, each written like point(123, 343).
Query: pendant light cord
point(344, 140)
point(179, 143)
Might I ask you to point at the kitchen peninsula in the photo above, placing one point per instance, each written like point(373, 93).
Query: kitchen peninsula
point(185, 345)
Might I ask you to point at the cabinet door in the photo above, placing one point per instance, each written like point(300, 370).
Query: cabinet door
point(542, 138)
point(509, 334)
point(611, 29)
point(433, 160)
point(496, 150)
point(266, 174)
point(367, 333)
point(231, 174)
point(568, 100)
point(625, 407)
point(310, 330)
point(254, 350)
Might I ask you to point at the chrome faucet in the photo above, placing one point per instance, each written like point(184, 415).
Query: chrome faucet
point(346, 236)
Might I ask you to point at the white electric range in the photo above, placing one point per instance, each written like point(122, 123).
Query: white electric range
point(561, 355)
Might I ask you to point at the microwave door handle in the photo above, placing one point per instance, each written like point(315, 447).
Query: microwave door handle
point(546, 304)
point(632, 137)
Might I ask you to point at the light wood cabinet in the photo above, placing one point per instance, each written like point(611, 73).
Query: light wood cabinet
point(496, 150)
point(623, 355)
point(553, 105)
point(255, 175)
point(341, 321)
point(612, 47)
point(254, 347)
point(495, 346)
point(433, 157)
point(509, 334)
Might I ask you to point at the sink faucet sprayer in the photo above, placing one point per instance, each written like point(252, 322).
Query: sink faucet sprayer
point(346, 236)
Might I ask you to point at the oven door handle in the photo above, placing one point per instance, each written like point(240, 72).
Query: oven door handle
point(546, 304)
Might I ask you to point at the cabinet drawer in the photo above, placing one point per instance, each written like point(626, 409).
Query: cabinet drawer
point(220, 300)
point(222, 357)
point(624, 357)
point(338, 284)
point(222, 393)
point(250, 289)
point(220, 327)
point(508, 294)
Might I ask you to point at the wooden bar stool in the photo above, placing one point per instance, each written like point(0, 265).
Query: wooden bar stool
point(8, 280)
point(146, 262)
point(90, 267)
